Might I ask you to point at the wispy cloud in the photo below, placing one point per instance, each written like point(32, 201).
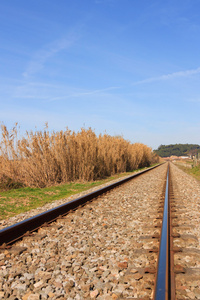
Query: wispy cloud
point(41, 56)
point(185, 73)
point(35, 90)
point(55, 92)
point(85, 93)
point(194, 100)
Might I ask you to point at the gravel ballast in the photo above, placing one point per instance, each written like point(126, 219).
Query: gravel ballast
point(187, 225)
point(33, 212)
point(100, 251)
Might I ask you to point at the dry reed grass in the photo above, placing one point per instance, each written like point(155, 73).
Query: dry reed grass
point(42, 158)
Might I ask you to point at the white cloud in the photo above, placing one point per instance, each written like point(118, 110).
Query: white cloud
point(193, 100)
point(54, 92)
point(41, 56)
point(77, 93)
point(185, 73)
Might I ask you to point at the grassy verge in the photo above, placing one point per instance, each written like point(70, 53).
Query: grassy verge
point(16, 201)
point(195, 172)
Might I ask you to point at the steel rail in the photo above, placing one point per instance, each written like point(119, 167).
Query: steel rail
point(165, 281)
point(11, 234)
point(162, 283)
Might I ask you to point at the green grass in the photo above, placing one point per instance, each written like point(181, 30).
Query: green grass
point(195, 172)
point(16, 201)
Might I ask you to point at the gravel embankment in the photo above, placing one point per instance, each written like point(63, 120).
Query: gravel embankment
point(98, 252)
point(187, 203)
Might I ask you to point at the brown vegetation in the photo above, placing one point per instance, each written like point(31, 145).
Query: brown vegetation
point(42, 158)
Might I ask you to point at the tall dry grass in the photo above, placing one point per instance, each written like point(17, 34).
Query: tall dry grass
point(44, 158)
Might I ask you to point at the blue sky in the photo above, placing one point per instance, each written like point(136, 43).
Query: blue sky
point(127, 67)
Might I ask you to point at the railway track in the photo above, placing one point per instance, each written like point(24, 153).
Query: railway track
point(13, 233)
point(107, 249)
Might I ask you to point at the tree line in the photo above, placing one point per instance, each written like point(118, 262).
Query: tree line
point(177, 150)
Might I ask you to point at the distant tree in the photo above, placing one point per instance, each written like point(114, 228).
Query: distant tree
point(177, 149)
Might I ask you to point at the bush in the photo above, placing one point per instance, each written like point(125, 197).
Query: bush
point(42, 158)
